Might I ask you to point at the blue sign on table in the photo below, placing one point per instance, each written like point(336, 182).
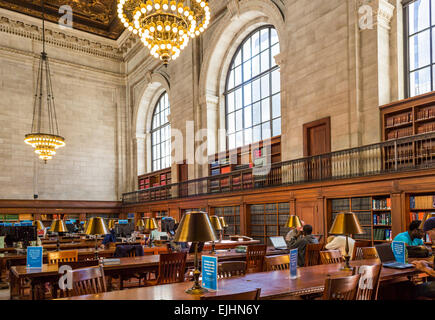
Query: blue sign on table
point(122, 221)
point(293, 264)
point(34, 257)
point(399, 250)
point(209, 267)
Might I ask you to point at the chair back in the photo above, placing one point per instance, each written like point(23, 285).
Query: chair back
point(62, 256)
point(255, 258)
point(88, 281)
point(171, 267)
point(369, 253)
point(312, 254)
point(248, 295)
point(274, 263)
point(231, 269)
point(331, 257)
point(341, 288)
point(357, 249)
point(369, 282)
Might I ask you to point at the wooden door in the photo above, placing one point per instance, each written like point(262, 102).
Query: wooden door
point(309, 213)
point(317, 141)
point(183, 176)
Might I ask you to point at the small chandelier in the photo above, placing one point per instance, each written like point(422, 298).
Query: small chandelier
point(44, 139)
point(165, 26)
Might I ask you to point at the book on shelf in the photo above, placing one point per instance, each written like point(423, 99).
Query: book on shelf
point(226, 169)
point(382, 219)
point(214, 164)
point(422, 202)
point(215, 172)
point(382, 204)
point(382, 234)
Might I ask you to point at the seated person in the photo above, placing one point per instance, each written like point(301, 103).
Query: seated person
point(339, 243)
point(293, 232)
point(414, 235)
point(157, 234)
point(108, 238)
point(300, 241)
point(426, 289)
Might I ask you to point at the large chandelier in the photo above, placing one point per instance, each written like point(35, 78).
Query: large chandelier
point(165, 26)
point(44, 139)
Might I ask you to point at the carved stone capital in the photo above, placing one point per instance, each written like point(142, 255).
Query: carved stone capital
point(233, 8)
point(280, 59)
point(385, 13)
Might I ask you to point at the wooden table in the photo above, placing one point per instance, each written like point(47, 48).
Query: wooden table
point(274, 285)
point(124, 270)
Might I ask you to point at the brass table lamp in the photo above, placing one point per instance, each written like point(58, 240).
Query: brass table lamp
point(95, 227)
point(39, 225)
point(195, 227)
point(216, 224)
point(346, 223)
point(224, 225)
point(140, 224)
point(58, 226)
point(150, 224)
point(111, 224)
point(293, 222)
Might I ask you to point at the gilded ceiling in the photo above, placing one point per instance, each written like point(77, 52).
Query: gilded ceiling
point(94, 16)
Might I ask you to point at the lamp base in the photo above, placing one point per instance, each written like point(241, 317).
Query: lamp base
point(345, 268)
point(195, 290)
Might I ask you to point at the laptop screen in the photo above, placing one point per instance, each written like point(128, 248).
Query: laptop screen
point(385, 253)
point(278, 242)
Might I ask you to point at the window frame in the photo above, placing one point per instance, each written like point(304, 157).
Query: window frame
point(406, 43)
point(250, 81)
point(159, 129)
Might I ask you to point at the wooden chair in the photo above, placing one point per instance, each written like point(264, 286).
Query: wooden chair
point(248, 295)
point(357, 249)
point(231, 269)
point(87, 281)
point(255, 258)
point(275, 263)
point(369, 282)
point(331, 257)
point(341, 288)
point(62, 256)
point(369, 253)
point(171, 269)
point(312, 254)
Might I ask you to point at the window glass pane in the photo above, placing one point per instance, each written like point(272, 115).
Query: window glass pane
point(264, 39)
point(418, 16)
point(276, 106)
point(255, 66)
point(231, 80)
point(275, 51)
point(247, 70)
point(265, 87)
point(247, 50)
point(265, 110)
point(419, 50)
point(238, 59)
point(273, 37)
point(256, 90)
point(276, 82)
point(248, 116)
point(162, 118)
point(238, 76)
point(276, 127)
point(265, 61)
point(420, 81)
point(231, 124)
point(230, 102)
point(255, 43)
point(248, 136)
point(256, 133)
point(239, 103)
point(239, 120)
point(256, 113)
point(232, 141)
point(247, 94)
point(239, 139)
point(266, 130)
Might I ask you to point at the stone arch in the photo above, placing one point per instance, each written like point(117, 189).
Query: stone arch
point(155, 85)
point(239, 21)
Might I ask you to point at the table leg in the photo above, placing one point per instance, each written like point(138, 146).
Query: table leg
point(14, 286)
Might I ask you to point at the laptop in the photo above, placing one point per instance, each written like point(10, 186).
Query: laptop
point(278, 243)
point(385, 253)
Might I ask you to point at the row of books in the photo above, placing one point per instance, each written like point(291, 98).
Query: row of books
point(422, 202)
point(418, 215)
point(382, 219)
point(340, 205)
point(361, 203)
point(426, 113)
point(399, 133)
point(399, 119)
point(426, 127)
point(364, 218)
point(381, 204)
point(382, 234)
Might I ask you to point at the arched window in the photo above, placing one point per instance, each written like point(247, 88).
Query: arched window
point(161, 135)
point(253, 99)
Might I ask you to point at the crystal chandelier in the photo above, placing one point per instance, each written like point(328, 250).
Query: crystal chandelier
point(165, 26)
point(44, 139)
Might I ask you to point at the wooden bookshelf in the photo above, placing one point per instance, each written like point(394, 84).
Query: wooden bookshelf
point(232, 218)
point(421, 206)
point(373, 213)
point(268, 220)
point(155, 179)
point(247, 157)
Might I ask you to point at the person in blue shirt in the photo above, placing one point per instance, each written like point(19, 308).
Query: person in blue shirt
point(111, 237)
point(414, 235)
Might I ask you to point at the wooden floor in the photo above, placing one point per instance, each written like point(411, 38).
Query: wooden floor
point(4, 294)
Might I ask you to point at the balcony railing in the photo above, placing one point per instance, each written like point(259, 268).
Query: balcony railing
point(405, 154)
